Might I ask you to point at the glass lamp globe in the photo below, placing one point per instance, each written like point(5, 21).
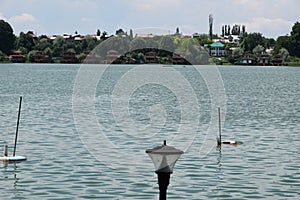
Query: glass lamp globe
point(164, 157)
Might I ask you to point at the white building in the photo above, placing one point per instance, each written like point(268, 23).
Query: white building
point(217, 49)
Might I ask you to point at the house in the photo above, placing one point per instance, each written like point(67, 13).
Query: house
point(92, 58)
point(196, 35)
point(277, 60)
point(234, 39)
point(217, 49)
point(69, 57)
point(67, 36)
point(32, 34)
point(178, 58)
point(78, 37)
point(150, 57)
point(150, 35)
point(248, 59)
point(17, 57)
point(264, 59)
point(112, 56)
point(40, 57)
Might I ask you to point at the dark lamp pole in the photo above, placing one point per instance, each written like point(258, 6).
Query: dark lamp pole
point(164, 158)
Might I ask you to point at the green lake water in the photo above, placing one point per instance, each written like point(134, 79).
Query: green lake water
point(85, 129)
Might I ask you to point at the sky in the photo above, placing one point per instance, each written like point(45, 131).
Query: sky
point(272, 18)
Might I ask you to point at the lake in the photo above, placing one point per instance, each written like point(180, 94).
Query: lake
point(85, 128)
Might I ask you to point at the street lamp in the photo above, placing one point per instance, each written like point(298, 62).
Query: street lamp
point(164, 158)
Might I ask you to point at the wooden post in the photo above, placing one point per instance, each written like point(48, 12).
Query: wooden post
point(17, 129)
point(5, 150)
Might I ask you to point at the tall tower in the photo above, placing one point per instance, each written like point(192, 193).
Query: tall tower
point(210, 21)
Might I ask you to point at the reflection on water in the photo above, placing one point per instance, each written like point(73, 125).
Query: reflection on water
point(10, 173)
point(219, 158)
point(263, 110)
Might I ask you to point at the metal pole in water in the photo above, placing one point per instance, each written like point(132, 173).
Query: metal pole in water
point(219, 112)
point(16, 137)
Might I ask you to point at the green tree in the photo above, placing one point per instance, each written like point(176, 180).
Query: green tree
point(131, 34)
point(7, 38)
point(137, 43)
point(3, 57)
point(58, 49)
point(291, 43)
point(48, 51)
point(153, 42)
point(91, 43)
point(251, 40)
point(26, 41)
point(81, 57)
point(167, 43)
point(282, 42)
point(31, 55)
point(284, 53)
point(104, 35)
point(120, 44)
point(259, 49)
point(270, 42)
point(237, 52)
point(42, 43)
point(98, 32)
point(177, 31)
point(196, 55)
point(120, 32)
point(295, 40)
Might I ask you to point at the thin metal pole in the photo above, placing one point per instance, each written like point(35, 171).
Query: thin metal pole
point(16, 137)
point(219, 124)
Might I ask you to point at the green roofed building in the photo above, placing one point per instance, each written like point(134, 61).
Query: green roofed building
point(217, 49)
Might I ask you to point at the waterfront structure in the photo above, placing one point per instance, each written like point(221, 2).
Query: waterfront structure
point(17, 57)
point(264, 59)
point(248, 59)
point(112, 56)
point(178, 58)
point(40, 57)
point(69, 57)
point(150, 57)
point(217, 49)
point(277, 60)
point(92, 58)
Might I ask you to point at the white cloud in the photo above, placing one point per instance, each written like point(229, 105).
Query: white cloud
point(25, 22)
point(253, 4)
point(2, 17)
point(86, 19)
point(155, 4)
point(189, 15)
point(23, 18)
point(269, 27)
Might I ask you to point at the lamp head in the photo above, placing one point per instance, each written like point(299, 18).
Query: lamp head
point(164, 157)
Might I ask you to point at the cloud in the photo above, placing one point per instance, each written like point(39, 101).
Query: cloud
point(25, 22)
point(86, 19)
point(189, 15)
point(23, 18)
point(2, 17)
point(155, 4)
point(253, 4)
point(268, 26)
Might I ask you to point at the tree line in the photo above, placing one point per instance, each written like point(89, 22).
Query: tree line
point(288, 46)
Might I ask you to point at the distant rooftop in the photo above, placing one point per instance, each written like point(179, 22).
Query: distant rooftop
point(217, 44)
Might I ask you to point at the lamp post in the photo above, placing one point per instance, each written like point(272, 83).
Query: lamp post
point(164, 158)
